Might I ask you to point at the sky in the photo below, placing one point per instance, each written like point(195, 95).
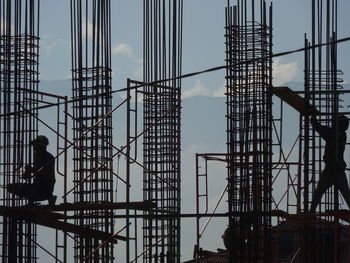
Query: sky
point(203, 41)
point(203, 48)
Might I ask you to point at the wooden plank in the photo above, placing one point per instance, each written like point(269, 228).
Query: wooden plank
point(341, 214)
point(295, 101)
point(147, 205)
point(31, 211)
point(47, 209)
point(79, 230)
point(45, 220)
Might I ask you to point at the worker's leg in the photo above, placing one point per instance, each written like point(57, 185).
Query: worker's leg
point(344, 187)
point(21, 190)
point(323, 184)
point(14, 188)
point(33, 192)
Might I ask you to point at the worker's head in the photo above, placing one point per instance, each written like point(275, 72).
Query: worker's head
point(343, 123)
point(40, 143)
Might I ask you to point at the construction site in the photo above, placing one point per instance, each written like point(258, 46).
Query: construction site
point(118, 162)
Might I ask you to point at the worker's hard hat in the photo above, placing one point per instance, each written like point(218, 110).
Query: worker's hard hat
point(40, 140)
point(343, 123)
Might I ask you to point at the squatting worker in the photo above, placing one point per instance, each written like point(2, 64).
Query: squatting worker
point(43, 173)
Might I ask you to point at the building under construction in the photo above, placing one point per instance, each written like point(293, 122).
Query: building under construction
point(93, 222)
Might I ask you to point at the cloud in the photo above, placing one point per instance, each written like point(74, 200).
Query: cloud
point(139, 70)
point(90, 31)
point(3, 22)
point(198, 89)
point(123, 49)
point(50, 43)
point(87, 28)
point(220, 92)
point(283, 72)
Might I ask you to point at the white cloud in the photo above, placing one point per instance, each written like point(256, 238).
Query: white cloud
point(198, 89)
point(87, 28)
point(123, 49)
point(139, 70)
point(283, 72)
point(90, 31)
point(49, 43)
point(220, 92)
point(4, 25)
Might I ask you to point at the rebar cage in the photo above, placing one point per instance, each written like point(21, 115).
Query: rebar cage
point(92, 122)
point(161, 143)
point(323, 90)
point(19, 42)
point(249, 126)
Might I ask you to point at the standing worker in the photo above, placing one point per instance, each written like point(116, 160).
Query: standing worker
point(43, 171)
point(334, 171)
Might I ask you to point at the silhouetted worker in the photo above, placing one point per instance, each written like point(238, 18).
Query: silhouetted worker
point(237, 237)
point(334, 171)
point(43, 172)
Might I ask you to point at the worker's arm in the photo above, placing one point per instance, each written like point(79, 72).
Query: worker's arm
point(45, 168)
point(324, 131)
point(28, 171)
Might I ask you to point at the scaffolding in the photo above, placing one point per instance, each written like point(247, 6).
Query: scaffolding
point(203, 194)
point(261, 227)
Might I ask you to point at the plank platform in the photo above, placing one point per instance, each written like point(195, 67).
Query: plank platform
point(48, 216)
point(294, 100)
point(103, 206)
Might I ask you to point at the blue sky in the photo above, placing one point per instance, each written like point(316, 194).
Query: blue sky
point(203, 41)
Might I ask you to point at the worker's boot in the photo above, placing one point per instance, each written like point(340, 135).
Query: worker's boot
point(52, 199)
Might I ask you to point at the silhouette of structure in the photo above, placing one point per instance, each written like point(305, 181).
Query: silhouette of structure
point(268, 191)
point(322, 86)
point(249, 125)
point(93, 162)
point(19, 82)
point(298, 236)
point(161, 120)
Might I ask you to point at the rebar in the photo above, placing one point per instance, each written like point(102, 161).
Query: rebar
point(161, 143)
point(322, 86)
point(249, 129)
point(19, 61)
point(91, 84)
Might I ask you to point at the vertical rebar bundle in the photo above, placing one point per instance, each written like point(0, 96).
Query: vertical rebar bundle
point(91, 76)
point(19, 59)
point(161, 146)
point(249, 138)
point(322, 86)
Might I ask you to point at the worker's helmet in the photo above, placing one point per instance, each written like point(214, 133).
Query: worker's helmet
point(343, 123)
point(41, 140)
